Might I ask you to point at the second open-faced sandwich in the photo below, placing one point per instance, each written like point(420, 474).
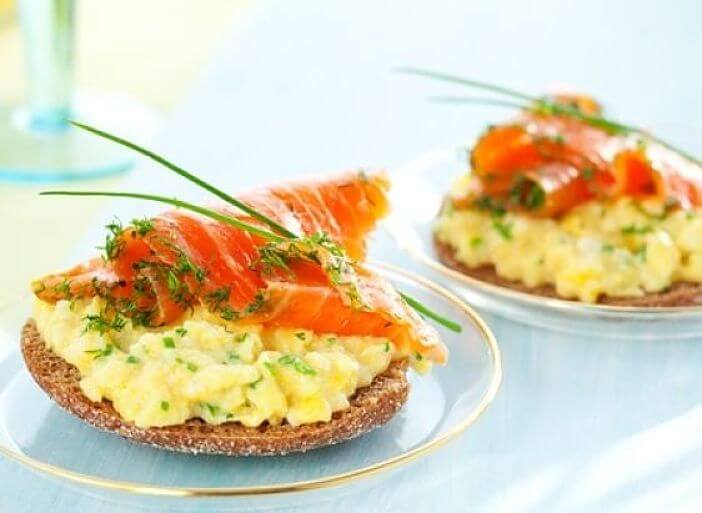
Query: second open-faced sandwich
point(222, 331)
point(560, 201)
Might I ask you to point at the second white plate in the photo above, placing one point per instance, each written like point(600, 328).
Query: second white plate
point(418, 190)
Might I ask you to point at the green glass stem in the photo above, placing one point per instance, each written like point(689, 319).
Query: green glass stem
point(48, 28)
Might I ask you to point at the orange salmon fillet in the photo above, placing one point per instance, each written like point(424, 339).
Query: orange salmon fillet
point(185, 259)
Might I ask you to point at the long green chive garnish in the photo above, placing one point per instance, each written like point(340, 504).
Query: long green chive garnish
point(467, 82)
point(431, 314)
point(176, 203)
point(545, 106)
point(185, 174)
point(477, 101)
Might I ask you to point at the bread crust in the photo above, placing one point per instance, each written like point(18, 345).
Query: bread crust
point(678, 294)
point(371, 406)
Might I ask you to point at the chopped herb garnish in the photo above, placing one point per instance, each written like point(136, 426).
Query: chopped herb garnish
point(332, 340)
point(271, 368)
point(184, 266)
point(487, 203)
point(535, 197)
point(165, 405)
point(476, 241)
point(228, 314)
point(132, 359)
point(253, 384)
point(168, 342)
point(64, 288)
point(232, 356)
point(298, 364)
point(173, 282)
point(387, 347)
point(212, 408)
point(113, 241)
point(142, 226)
point(181, 332)
point(101, 324)
point(101, 353)
point(636, 230)
point(241, 337)
point(301, 335)
point(418, 356)
point(191, 366)
point(504, 229)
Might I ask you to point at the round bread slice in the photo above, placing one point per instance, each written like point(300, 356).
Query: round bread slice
point(678, 294)
point(371, 406)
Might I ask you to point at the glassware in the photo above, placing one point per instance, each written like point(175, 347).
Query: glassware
point(37, 142)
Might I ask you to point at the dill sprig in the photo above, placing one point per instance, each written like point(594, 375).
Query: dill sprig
point(542, 105)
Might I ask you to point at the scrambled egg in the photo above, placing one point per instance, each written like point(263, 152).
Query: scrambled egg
point(623, 248)
point(208, 368)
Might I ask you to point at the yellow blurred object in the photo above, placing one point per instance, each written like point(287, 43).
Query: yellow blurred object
point(6, 10)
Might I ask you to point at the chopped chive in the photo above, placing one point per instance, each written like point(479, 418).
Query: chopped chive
point(101, 353)
point(504, 229)
point(476, 241)
point(165, 405)
point(191, 366)
point(168, 342)
point(181, 332)
point(132, 359)
point(387, 347)
point(300, 335)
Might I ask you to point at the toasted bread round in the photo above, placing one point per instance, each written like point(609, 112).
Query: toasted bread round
point(371, 407)
point(678, 294)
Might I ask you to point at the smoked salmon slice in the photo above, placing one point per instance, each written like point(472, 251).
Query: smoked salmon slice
point(570, 161)
point(162, 267)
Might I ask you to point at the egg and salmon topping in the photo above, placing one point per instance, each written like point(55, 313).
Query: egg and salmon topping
point(619, 248)
point(210, 368)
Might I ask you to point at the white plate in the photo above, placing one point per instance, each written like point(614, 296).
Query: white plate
point(442, 405)
point(418, 190)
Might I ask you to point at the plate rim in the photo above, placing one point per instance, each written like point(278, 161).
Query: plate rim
point(564, 305)
point(348, 477)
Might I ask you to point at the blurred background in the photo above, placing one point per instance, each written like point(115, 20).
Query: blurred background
point(152, 58)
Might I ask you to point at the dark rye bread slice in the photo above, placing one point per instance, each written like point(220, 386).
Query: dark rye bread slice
point(371, 407)
point(679, 294)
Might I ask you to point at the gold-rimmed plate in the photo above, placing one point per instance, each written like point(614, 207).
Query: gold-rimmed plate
point(36, 433)
point(419, 188)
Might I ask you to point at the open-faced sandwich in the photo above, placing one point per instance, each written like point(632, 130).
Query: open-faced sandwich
point(247, 332)
point(560, 201)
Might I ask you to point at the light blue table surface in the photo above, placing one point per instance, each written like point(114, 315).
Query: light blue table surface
point(580, 424)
